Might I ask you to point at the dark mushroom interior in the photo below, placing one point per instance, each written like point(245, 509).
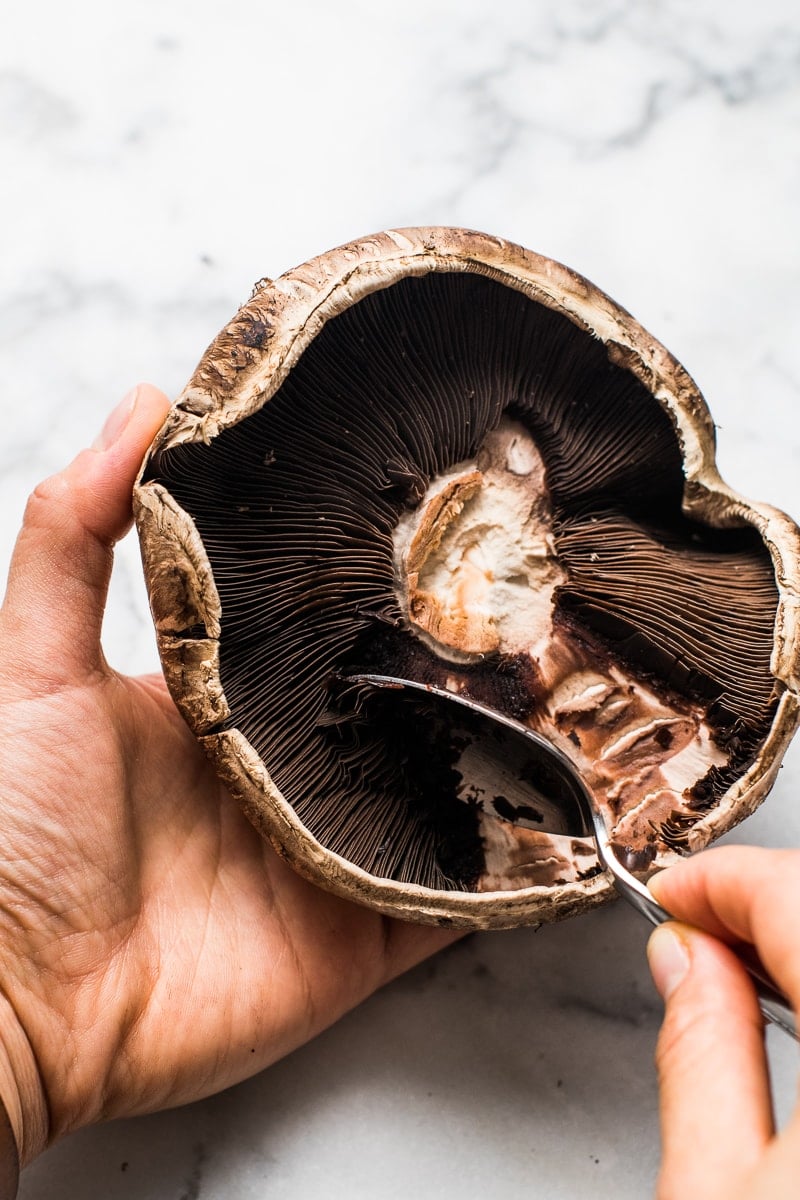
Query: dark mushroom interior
point(653, 670)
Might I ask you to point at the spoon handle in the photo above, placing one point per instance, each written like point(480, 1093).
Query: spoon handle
point(774, 1006)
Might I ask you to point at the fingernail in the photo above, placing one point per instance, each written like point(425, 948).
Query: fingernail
point(668, 956)
point(116, 422)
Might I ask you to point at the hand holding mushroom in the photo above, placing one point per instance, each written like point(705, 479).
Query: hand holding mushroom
point(154, 948)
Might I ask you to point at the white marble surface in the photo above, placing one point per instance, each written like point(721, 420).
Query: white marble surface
point(158, 158)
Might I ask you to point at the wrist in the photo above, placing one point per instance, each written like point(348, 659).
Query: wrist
point(9, 1158)
point(21, 1088)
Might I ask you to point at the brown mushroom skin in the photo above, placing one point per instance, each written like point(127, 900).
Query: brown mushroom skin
point(245, 367)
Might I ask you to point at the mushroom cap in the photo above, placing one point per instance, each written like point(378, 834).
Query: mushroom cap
point(658, 564)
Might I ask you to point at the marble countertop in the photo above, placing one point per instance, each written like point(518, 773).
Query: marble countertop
point(157, 159)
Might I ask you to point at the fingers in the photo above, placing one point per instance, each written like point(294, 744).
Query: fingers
point(742, 893)
point(716, 1113)
point(53, 610)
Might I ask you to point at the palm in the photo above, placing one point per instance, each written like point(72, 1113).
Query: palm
point(185, 951)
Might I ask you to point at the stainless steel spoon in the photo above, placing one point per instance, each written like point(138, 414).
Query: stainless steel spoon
point(503, 749)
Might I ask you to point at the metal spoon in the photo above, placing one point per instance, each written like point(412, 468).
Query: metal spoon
point(529, 769)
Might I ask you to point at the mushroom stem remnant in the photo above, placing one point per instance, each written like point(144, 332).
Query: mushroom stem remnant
point(447, 459)
point(476, 560)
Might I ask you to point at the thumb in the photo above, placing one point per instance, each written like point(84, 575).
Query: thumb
point(716, 1111)
point(60, 568)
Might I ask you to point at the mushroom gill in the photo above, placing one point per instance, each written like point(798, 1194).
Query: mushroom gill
point(456, 483)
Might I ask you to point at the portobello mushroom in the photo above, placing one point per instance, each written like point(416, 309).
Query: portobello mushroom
point(433, 453)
